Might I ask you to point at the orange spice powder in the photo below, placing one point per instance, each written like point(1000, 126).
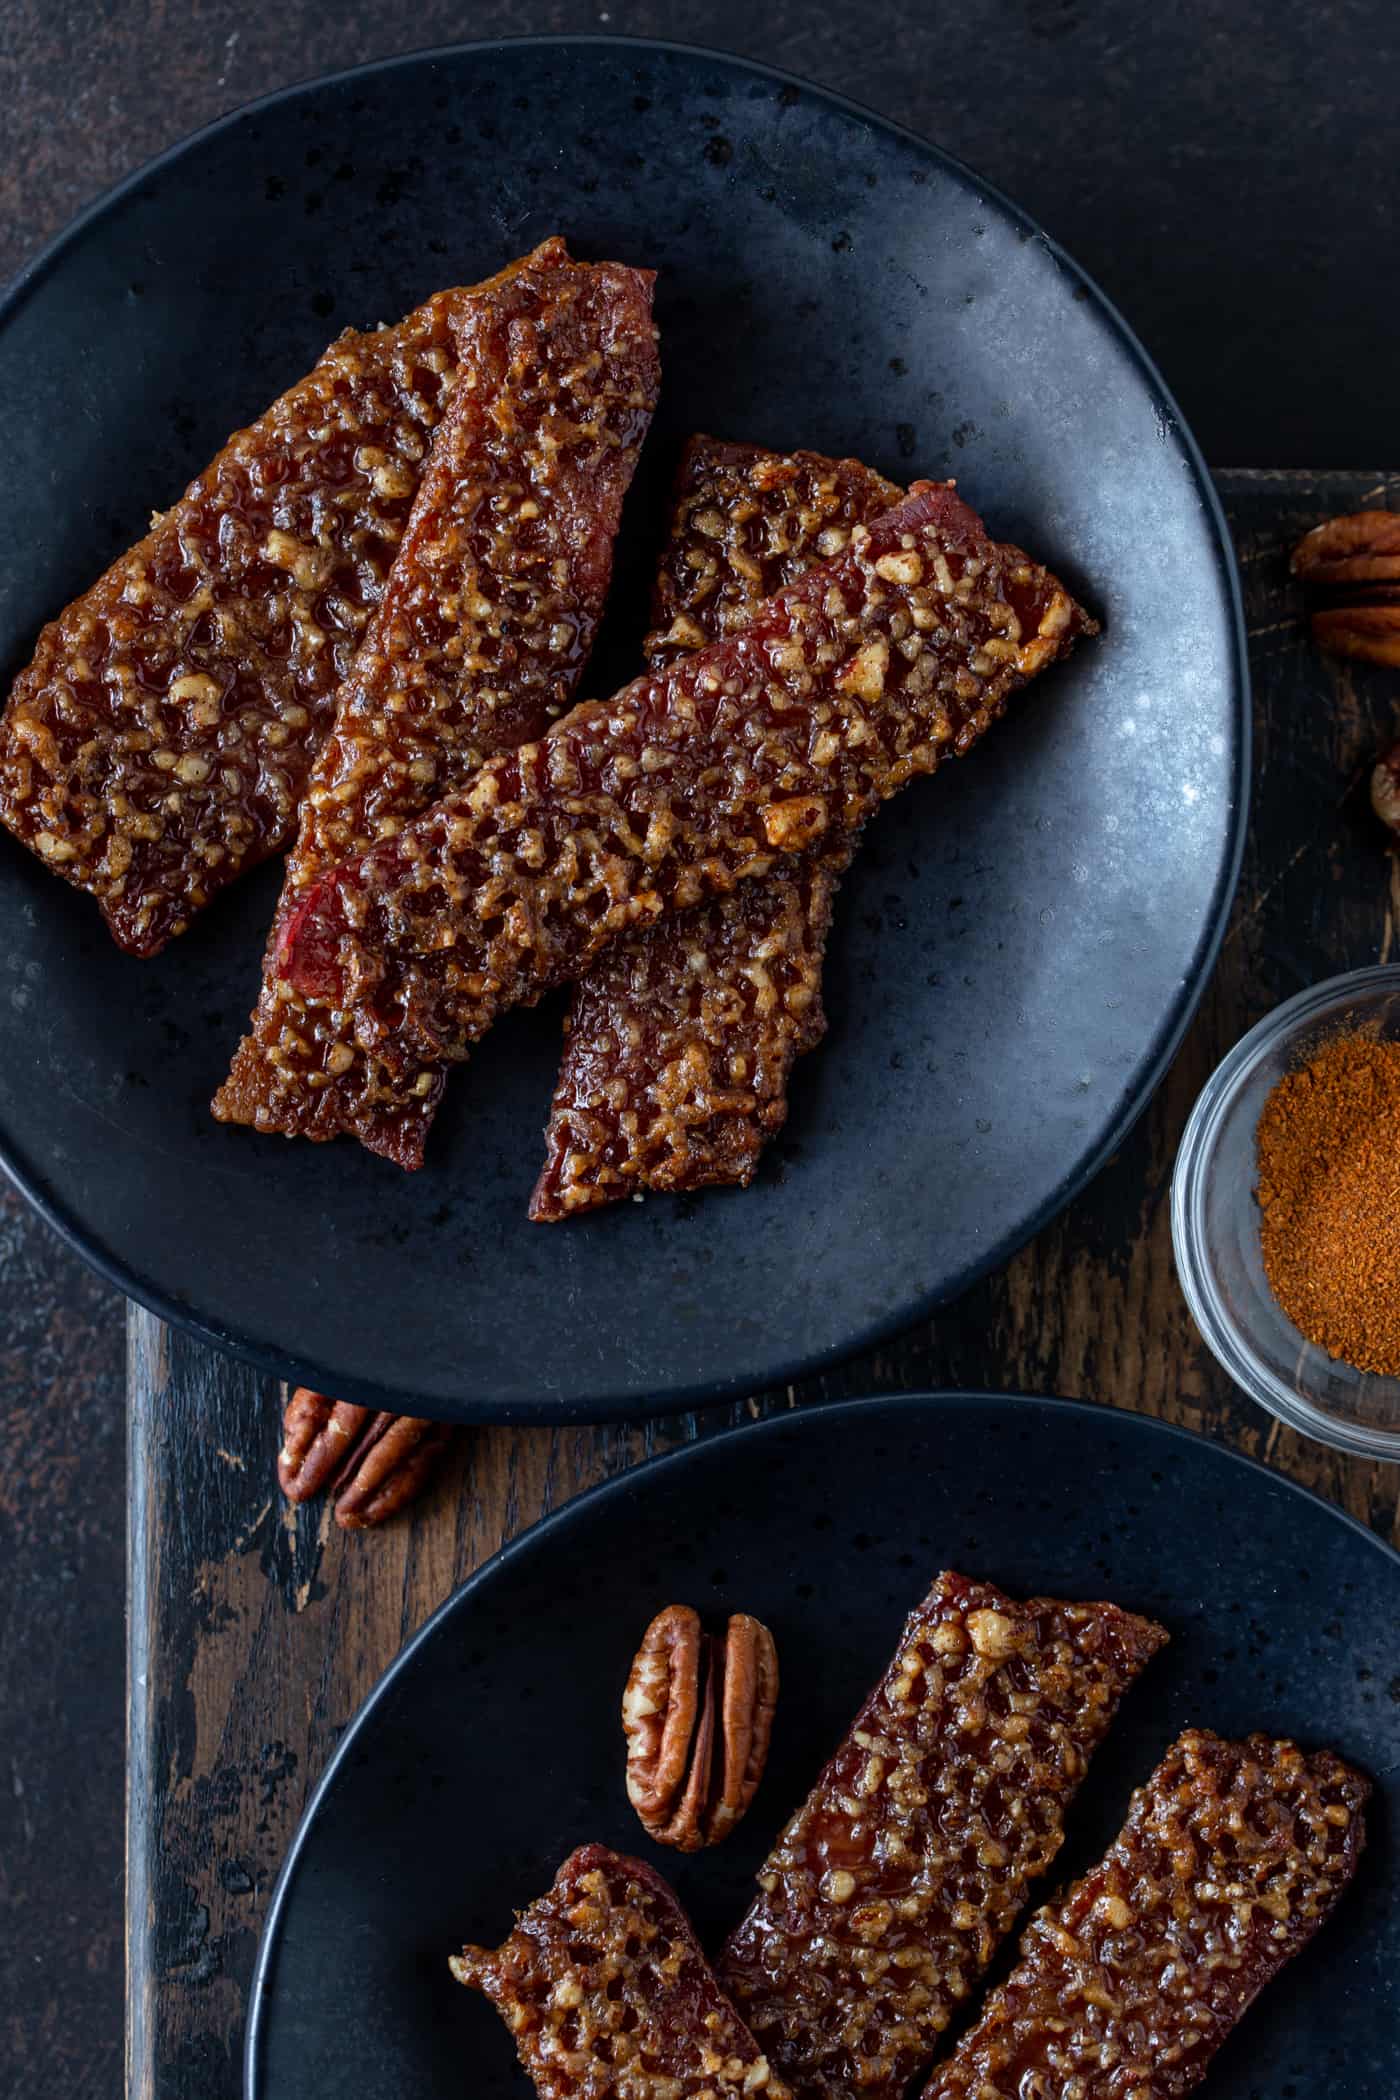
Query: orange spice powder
point(1329, 1193)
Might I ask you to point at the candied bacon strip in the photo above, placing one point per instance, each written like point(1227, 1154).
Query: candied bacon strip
point(872, 669)
point(606, 1991)
point(680, 1041)
point(478, 644)
point(159, 742)
point(888, 1892)
point(1232, 1857)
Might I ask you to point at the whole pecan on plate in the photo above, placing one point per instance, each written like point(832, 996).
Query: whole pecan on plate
point(698, 1714)
point(373, 1463)
point(1350, 567)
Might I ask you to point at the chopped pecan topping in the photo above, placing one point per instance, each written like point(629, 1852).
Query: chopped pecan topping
point(887, 1894)
point(374, 1464)
point(477, 644)
point(688, 1692)
point(1232, 1857)
point(608, 1996)
point(1363, 547)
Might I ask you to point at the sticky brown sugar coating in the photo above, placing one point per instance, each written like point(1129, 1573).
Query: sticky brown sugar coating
point(608, 1996)
point(890, 1889)
point(679, 1043)
point(1232, 1857)
point(159, 742)
point(870, 671)
point(486, 622)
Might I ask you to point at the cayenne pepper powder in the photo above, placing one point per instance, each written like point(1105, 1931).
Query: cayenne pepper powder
point(1329, 1192)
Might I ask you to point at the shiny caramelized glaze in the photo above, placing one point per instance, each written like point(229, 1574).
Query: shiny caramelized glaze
point(874, 668)
point(478, 644)
point(891, 1888)
point(680, 1040)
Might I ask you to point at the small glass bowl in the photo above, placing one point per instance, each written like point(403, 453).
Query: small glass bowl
point(1215, 1224)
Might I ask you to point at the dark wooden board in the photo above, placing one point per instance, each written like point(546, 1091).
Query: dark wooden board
point(255, 1632)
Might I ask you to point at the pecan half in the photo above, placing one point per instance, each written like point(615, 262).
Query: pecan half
point(1363, 547)
point(688, 1694)
point(374, 1464)
point(1351, 568)
point(1385, 789)
point(1370, 631)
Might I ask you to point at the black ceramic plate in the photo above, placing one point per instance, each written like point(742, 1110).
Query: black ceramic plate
point(1023, 939)
point(492, 1746)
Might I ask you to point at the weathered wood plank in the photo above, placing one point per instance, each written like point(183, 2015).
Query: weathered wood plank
point(255, 1632)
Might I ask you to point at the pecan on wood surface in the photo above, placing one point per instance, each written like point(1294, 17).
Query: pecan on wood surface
point(874, 669)
point(373, 1463)
point(680, 1041)
point(1350, 567)
point(698, 1714)
point(887, 1894)
point(158, 744)
point(477, 644)
point(1385, 789)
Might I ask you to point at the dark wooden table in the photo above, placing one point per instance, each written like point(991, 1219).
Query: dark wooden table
point(1224, 168)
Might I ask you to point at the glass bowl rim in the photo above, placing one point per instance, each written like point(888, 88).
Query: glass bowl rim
point(1223, 1337)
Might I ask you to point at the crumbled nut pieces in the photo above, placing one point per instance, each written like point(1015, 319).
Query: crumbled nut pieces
point(889, 1890)
point(680, 1041)
point(477, 645)
point(374, 1464)
point(745, 523)
point(1232, 1856)
point(689, 1692)
point(680, 1044)
point(159, 742)
point(608, 1996)
point(1385, 789)
point(645, 804)
point(1350, 567)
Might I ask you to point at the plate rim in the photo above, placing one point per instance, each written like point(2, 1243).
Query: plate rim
point(108, 1261)
point(790, 1421)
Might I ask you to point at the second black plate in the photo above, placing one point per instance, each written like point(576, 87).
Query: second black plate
point(1022, 940)
point(493, 1746)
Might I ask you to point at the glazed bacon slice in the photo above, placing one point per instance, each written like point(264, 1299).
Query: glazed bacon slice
point(897, 653)
point(159, 742)
point(679, 1042)
point(746, 522)
point(477, 646)
point(605, 1989)
point(887, 1894)
point(1232, 1857)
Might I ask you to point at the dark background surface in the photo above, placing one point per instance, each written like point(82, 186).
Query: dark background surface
point(1224, 167)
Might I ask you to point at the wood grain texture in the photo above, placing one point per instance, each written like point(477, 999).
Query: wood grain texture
point(62, 1497)
point(256, 1631)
